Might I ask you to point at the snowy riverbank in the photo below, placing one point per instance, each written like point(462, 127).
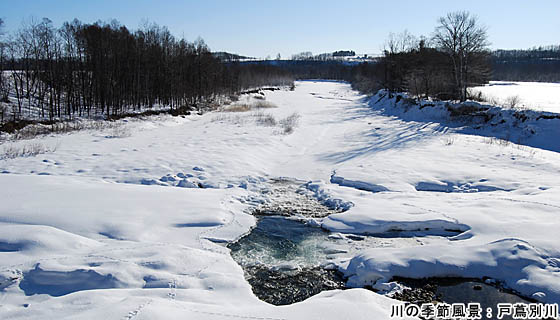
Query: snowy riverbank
point(116, 227)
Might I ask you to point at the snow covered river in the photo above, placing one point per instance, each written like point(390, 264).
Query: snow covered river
point(397, 191)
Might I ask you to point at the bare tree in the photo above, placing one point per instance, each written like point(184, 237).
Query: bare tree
point(461, 36)
point(105, 69)
point(3, 82)
point(306, 55)
point(398, 43)
point(396, 47)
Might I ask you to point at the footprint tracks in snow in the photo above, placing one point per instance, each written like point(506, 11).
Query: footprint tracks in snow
point(132, 314)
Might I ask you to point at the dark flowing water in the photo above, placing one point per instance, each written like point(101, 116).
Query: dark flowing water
point(287, 260)
point(458, 290)
point(488, 296)
point(281, 259)
point(281, 242)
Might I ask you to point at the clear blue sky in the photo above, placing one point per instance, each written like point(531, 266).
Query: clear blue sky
point(261, 28)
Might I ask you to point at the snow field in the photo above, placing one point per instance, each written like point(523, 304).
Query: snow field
point(147, 214)
point(531, 95)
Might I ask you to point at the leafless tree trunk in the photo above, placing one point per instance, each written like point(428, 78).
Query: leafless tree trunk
point(460, 36)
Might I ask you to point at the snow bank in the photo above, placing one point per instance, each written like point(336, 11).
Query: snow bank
point(519, 265)
point(320, 192)
point(528, 127)
point(360, 185)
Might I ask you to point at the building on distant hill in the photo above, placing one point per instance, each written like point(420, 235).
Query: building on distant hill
point(344, 53)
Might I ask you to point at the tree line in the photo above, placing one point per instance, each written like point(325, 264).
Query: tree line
point(454, 57)
point(443, 66)
point(105, 69)
point(537, 64)
point(310, 69)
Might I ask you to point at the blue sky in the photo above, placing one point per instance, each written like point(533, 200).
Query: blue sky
point(261, 28)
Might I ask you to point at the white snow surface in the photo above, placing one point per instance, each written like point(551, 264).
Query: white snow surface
point(121, 227)
point(541, 96)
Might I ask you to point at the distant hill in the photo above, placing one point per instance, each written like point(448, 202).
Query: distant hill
point(226, 56)
point(348, 56)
